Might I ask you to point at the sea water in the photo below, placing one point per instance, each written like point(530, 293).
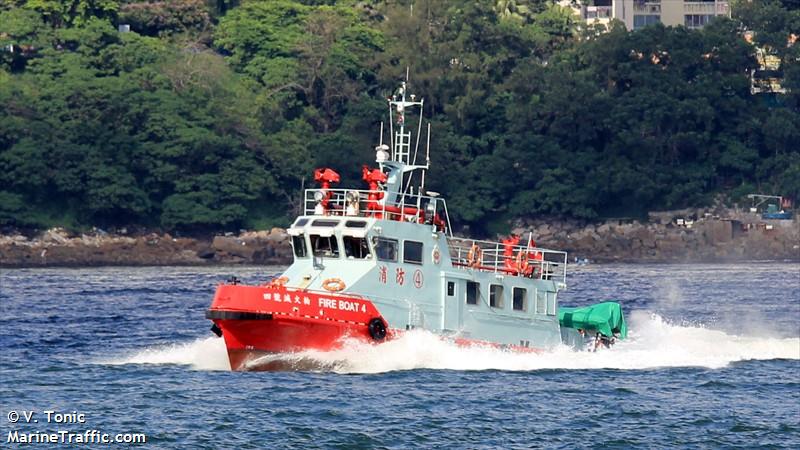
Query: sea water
point(712, 360)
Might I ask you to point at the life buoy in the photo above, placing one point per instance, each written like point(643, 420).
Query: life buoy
point(377, 329)
point(475, 256)
point(436, 255)
point(278, 282)
point(333, 284)
point(522, 261)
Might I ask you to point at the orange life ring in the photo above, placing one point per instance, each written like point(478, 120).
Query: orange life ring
point(278, 282)
point(333, 284)
point(522, 261)
point(475, 256)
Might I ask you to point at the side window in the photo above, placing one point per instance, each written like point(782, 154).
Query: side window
point(299, 245)
point(520, 299)
point(355, 247)
point(551, 303)
point(412, 252)
point(451, 288)
point(386, 249)
point(472, 292)
point(541, 302)
point(496, 295)
point(324, 246)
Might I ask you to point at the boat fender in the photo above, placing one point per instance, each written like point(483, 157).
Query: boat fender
point(475, 256)
point(377, 329)
point(216, 330)
point(333, 284)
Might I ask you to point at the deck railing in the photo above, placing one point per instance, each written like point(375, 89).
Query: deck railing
point(363, 203)
point(516, 260)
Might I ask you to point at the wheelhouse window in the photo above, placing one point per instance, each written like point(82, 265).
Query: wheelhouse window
point(496, 295)
point(412, 252)
point(324, 223)
point(386, 249)
point(473, 289)
point(520, 299)
point(355, 224)
point(299, 245)
point(355, 247)
point(326, 246)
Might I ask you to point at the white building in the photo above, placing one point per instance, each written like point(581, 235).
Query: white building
point(636, 14)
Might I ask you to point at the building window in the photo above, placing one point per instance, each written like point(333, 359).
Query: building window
point(299, 245)
point(496, 295)
point(472, 292)
point(520, 299)
point(697, 20)
point(643, 20)
point(451, 288)
point(325, 246)
point(355, 247)
point(412, 252)
point(386, 249)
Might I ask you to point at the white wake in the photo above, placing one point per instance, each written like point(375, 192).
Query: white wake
point(652, 343)
point(202, 354)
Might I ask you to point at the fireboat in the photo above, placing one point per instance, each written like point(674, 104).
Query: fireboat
point(372, 264)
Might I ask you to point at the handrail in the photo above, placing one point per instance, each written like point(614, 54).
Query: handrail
point(372, 203)
point(535, 262)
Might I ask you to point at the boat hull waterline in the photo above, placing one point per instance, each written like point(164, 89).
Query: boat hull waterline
point(260, 321)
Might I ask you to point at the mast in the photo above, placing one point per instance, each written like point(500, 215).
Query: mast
point(403, 107)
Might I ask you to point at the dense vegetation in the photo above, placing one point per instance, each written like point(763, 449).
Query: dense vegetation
point(212, 114)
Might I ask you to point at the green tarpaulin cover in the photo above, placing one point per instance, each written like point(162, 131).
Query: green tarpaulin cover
point(605, 318)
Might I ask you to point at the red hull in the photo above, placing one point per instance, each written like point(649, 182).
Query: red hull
point(249, 340)
point(261, 320)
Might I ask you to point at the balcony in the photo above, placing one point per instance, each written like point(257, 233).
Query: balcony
point(718, 8)
point(650, 7)
point(598, 12)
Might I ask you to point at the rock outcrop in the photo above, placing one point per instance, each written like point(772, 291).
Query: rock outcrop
point(57, 247)
point(676, 236)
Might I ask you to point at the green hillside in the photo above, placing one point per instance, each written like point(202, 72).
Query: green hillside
point(211, 115)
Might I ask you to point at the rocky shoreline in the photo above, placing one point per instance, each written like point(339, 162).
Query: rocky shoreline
point(685, 236)
point(675, 236)
point(59, 248)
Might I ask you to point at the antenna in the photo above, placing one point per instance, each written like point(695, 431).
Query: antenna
point(419, 131)
point(427, 159)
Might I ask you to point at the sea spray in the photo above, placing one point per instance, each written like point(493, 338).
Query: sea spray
point(201, 354)
point(653, 342)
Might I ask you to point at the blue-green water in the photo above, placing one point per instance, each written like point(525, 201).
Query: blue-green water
point(712, 361)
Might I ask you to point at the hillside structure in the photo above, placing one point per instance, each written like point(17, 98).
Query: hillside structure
point(636, 14)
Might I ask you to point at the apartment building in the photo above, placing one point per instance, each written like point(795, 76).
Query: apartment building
point(636, 14)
